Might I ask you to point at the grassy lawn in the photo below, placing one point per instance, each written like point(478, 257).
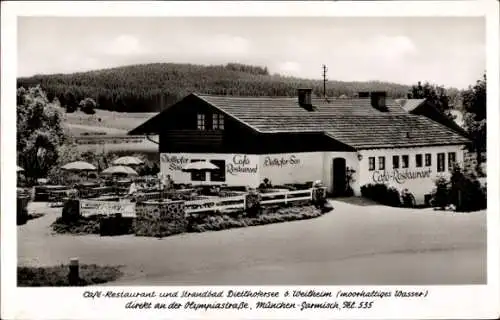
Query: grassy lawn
point(58, 276)
point(103, 119)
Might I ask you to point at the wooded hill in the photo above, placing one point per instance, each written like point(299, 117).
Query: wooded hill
point(152, 87)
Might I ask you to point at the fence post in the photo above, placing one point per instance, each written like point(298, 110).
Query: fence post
point(73, 276)
point(286, 197)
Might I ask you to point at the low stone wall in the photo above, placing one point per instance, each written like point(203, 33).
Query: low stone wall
point(160, 219)
point(22, 209)
point(319, 196)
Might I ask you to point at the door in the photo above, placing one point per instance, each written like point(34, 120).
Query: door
point(339, 177)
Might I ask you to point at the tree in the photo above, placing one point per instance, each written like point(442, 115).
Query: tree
point(39, 132)
point(437, 95)
point(88, 106)
point(474, 104)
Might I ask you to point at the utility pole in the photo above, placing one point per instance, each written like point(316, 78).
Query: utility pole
point(325, 69)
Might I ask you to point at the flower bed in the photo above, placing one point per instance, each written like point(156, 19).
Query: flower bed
point(238, 219)
point(82, 225)
point(95, 224)
point(58, 276)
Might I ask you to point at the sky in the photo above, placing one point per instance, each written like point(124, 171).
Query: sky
point(444, 51)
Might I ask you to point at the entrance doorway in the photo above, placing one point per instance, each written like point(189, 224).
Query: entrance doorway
point(339, 177)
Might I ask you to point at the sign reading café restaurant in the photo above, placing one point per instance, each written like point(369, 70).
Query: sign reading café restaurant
point(400, 176)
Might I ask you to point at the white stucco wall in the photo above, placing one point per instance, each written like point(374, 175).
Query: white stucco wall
point(241, 170)
point(297, 167)
point(351, 162)
point(422, 183)
point(250, 170)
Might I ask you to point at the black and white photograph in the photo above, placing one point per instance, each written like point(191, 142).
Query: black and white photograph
point(209, 151)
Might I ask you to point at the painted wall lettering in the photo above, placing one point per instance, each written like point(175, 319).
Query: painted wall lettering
point(400, 176)
point(240, 164)
point(175, 163)
point(281, 162)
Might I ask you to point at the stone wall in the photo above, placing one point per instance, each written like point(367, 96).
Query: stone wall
point(22, 209)
point(319, 196)
point(160, 219)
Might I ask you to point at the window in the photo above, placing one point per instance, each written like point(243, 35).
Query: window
point(418, 160)
point(452, 158)
point(218, 121)
point(395, 162)
point(428, 160)
point(371, 163)
point(201, 121)
point(406, 161)
point(381, 163)
point(440, 162)
point(218, 175)
point(198, 175)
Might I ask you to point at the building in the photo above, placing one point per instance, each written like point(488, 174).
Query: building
point(426, 108)
point(288, 140)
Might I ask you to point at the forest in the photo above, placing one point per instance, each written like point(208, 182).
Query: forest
point(152, 87)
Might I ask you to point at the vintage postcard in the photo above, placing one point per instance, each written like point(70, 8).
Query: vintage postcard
point(250, 160)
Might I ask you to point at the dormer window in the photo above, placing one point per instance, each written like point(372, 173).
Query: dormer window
point(201, 121)
point(218, 121)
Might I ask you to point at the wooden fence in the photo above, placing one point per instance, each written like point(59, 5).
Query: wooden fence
point(90, 207)
point(238, 202)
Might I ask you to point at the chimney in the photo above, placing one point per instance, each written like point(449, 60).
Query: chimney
point(364, 94)
point(378, 100)
point(305, 96)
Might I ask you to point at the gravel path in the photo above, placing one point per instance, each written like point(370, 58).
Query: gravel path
point(354, 244)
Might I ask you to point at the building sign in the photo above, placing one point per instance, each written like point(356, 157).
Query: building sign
point(400, 176)
point(281, 162)
point(175, 163)
point(92, 207)
point(240, 164)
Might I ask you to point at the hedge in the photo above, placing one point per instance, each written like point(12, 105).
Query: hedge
point(382, 194)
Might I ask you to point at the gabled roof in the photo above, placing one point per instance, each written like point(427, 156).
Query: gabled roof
point(362, 132)
point(353, 122)
point(411, 104)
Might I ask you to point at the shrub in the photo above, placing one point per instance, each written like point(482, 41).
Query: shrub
point(88, 106)
point(382, 194)
point(463, 190)
point(71, 108)
point(466, 192)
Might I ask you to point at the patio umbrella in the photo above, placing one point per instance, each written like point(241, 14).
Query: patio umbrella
point(78, 166)
point(127, 161)
point(120, 170)
point(199, 166)
point(19, 169)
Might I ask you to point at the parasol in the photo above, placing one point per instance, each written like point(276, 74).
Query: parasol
point(120, 170)
point(200, 166)
point(127, 161)
point(79, 166)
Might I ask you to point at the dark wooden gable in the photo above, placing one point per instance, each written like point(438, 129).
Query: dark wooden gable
point(429, 110)
point(178, 131)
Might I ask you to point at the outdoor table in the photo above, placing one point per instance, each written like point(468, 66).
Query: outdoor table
point(99, 191)
point(42, 193)
point(56, 197)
